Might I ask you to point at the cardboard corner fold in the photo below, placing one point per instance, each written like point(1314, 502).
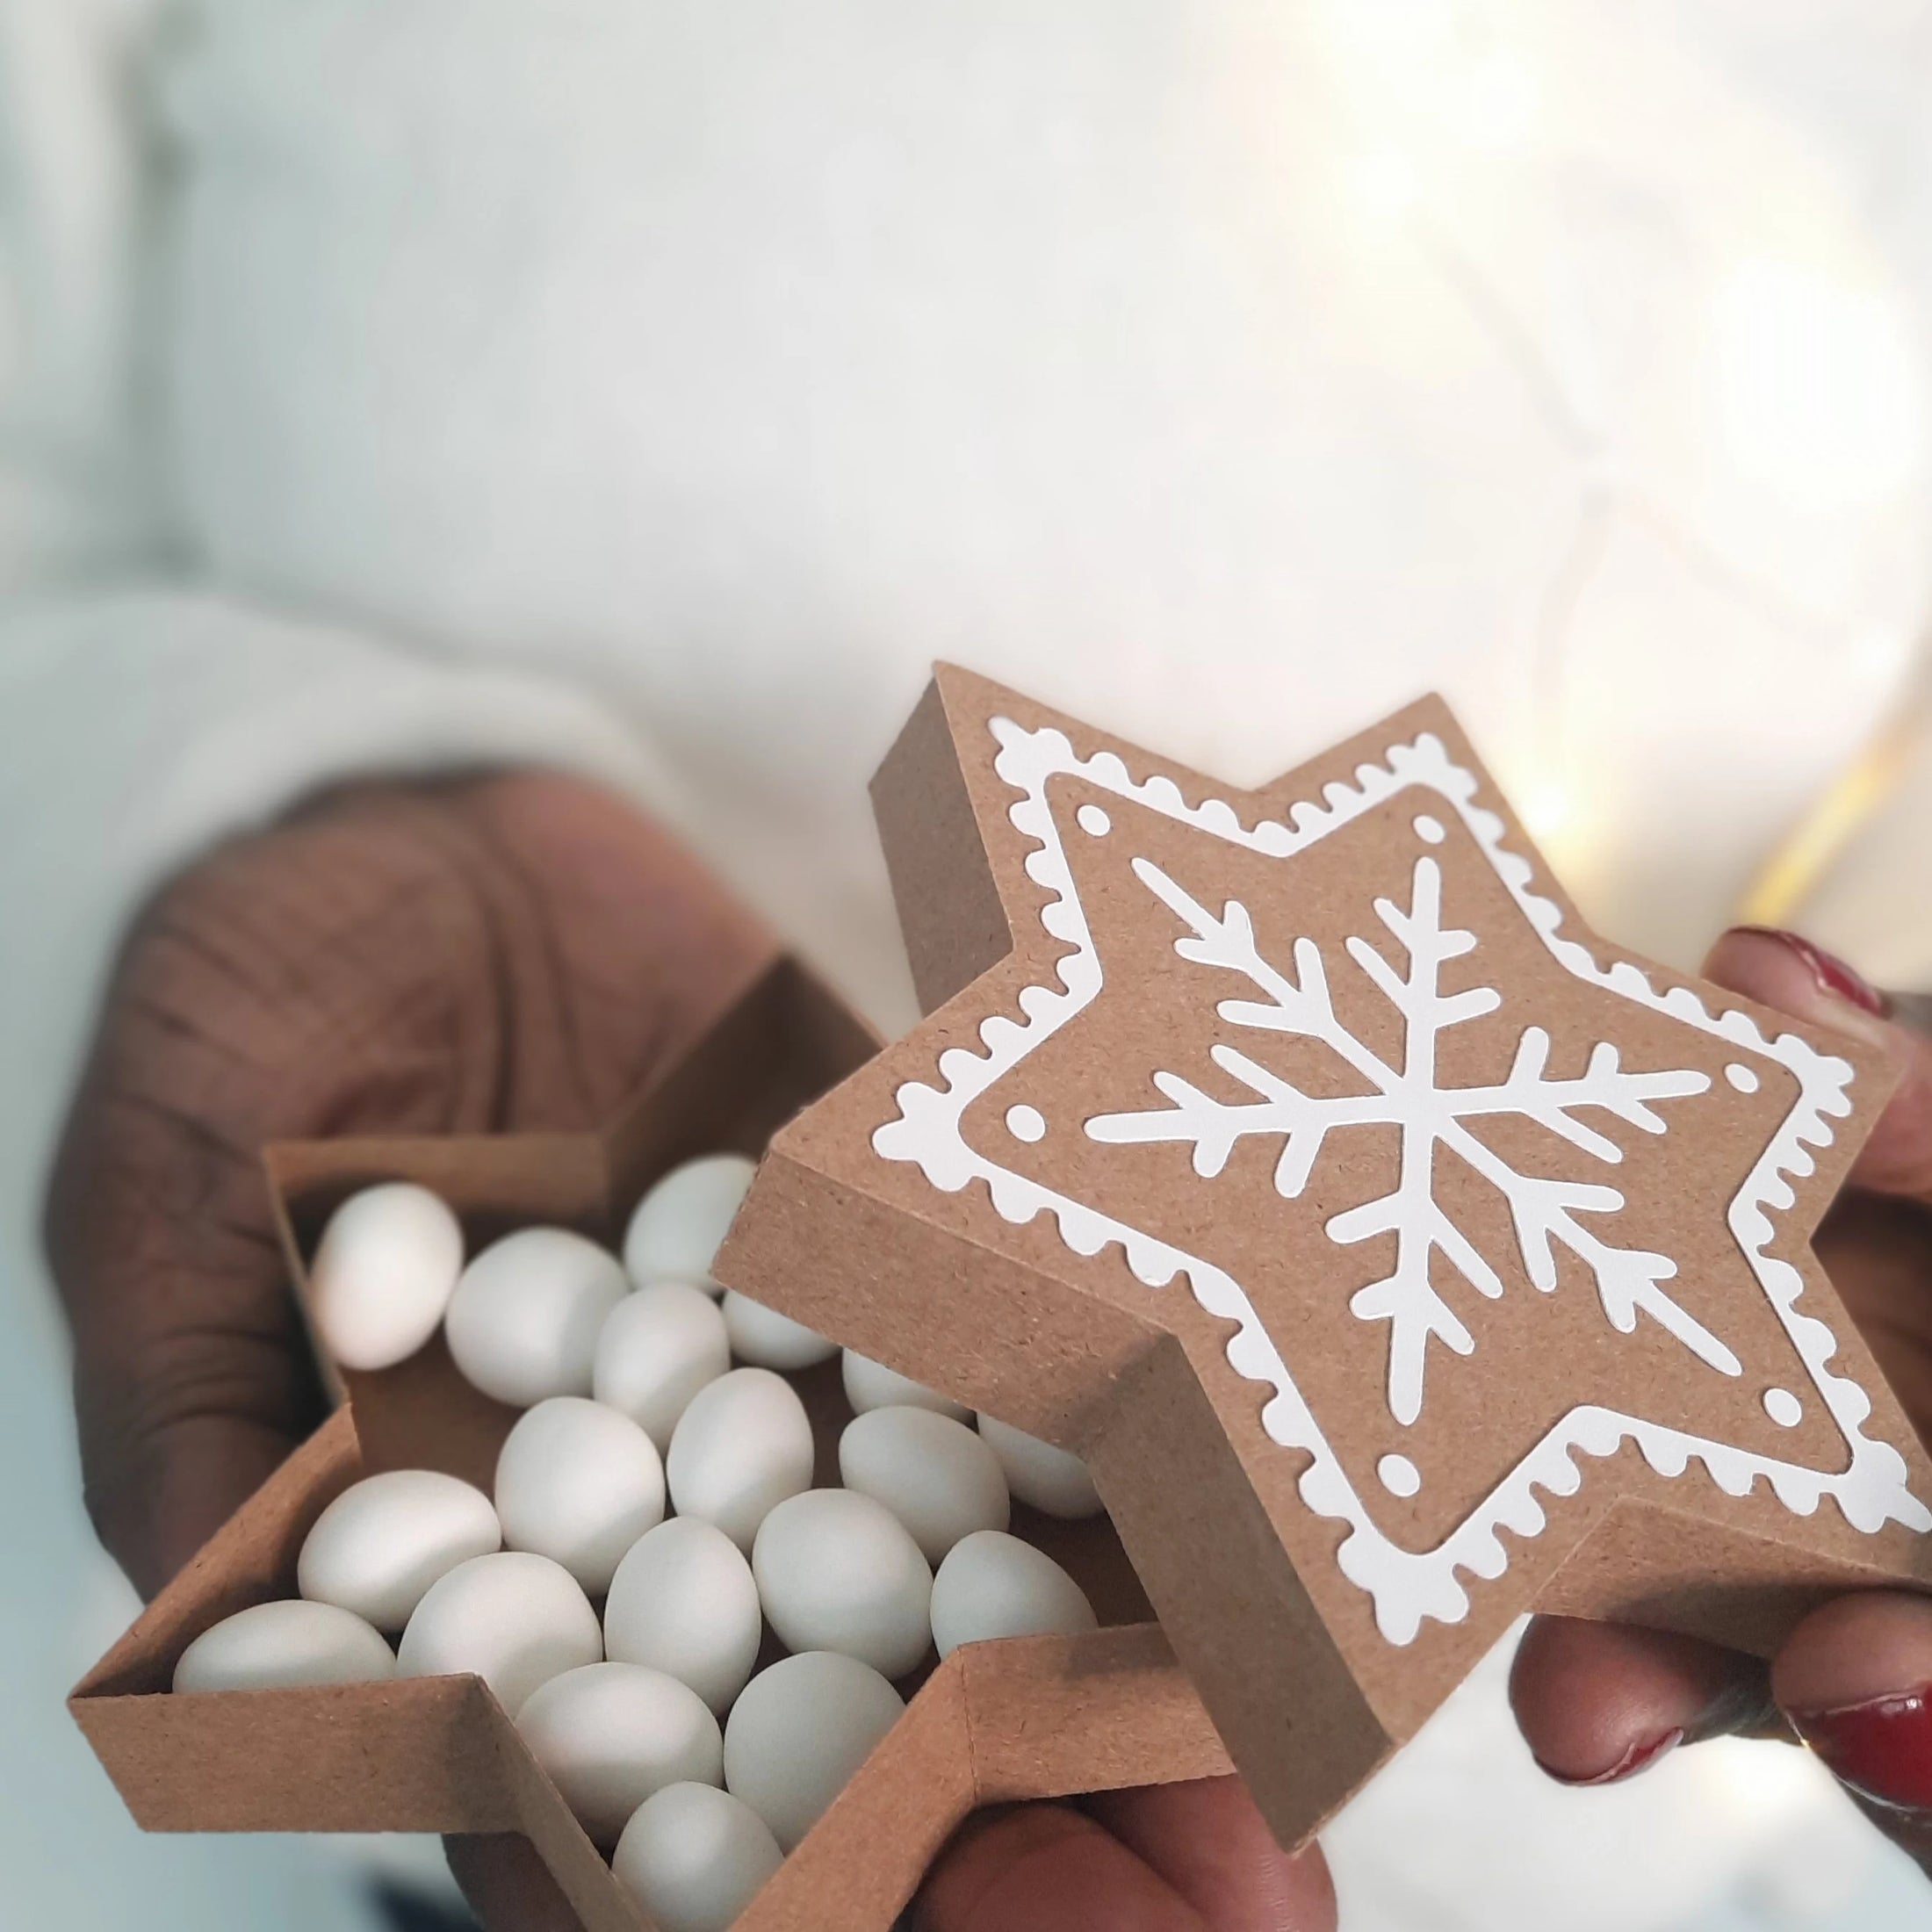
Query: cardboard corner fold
point(951, 918)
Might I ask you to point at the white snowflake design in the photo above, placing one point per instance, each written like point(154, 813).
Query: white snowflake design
point(1544, 1209)
point(1408, 1586)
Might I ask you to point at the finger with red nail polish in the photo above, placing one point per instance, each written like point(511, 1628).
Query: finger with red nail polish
point(1598, 1703)
point(1834, 978)
point(1639, 1756)
point(1853, 1677)
point(1787, 971)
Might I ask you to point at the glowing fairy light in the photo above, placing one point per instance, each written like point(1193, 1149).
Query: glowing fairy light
point(1549, 811)
point(1808, 852)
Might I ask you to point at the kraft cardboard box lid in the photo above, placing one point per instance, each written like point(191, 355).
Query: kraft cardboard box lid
point(1400, 1255)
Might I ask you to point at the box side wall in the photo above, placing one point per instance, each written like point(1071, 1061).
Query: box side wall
point(1673, 1570)
point(576, 1867)
point(1199, 1539)
point(949, 909)
point(250, 1560)
point(1279, 1691)
point(414, 1755)
point(494, 1182)
point(926, 1301)
point(860, 1865)
point(825, 1039)
point(420, 1413)
point(780, 1044)
point(1052, 1715)
point(409, 1755)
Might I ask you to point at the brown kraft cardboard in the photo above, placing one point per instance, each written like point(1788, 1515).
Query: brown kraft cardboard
point(1400, 1254)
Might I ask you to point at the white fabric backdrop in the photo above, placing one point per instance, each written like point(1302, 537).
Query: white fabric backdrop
point(655, 389)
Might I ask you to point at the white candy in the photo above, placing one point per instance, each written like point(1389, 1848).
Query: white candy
point(677, 1227)
point(1049, 1479)
point(524, 1319)
point(659, 1347)
point(610, 1734)
point(384, 1540)
point(684, 1602)
point(771, 1340)
point(693, 1858)
point(994, 1585)
point(934, 1474)
point(871, 1385)
point(513, 1619)
point(836, 1571)
point(271, 1646)
point(799, 1731)
point(579, 1483)
point(744, 1444)
point(383, 1274)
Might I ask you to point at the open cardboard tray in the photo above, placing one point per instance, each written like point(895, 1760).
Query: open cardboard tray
point(1022, 1718)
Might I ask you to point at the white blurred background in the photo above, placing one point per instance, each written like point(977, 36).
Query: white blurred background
point(1226, 372)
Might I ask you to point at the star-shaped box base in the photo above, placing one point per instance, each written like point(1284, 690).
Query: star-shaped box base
point(1400, 1255)
point(1029, 1717)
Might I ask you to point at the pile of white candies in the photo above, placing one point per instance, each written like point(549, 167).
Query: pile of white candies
point(697, 1775)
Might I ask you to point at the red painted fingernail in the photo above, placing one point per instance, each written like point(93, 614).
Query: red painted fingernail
point(1882, 1749)
point(1640, 1757)
point(1831, 972)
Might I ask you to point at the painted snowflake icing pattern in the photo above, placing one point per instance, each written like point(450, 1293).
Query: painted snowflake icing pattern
point(1408, 1586)
point(1544, 1209)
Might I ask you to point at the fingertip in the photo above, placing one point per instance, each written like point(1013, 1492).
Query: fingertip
point(1792, 975)
point(1856, 1677)
point(1207, 1838)
point(1855, 1649)
point(1787, 971)
point(1045, 1868)
point(1597, 1703)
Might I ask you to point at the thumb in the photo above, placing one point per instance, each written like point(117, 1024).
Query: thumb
point(192, 1380)
point(1783, 971)
point(289, 983)
point(1194, 1856)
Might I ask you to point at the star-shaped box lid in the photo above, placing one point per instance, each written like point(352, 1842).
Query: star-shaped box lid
point(1400, 1255)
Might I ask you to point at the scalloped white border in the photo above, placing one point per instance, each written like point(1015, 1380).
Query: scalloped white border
point(1406, 1586)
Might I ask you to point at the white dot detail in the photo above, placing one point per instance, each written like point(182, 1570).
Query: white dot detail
point(1743, 1077)
point(1399, 1476)
point(1430, 830)
point(1026, 1123)
point(1092, 821)
point(1782, 1407)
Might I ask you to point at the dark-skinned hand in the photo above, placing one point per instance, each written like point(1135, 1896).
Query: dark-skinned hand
point(499, 953)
